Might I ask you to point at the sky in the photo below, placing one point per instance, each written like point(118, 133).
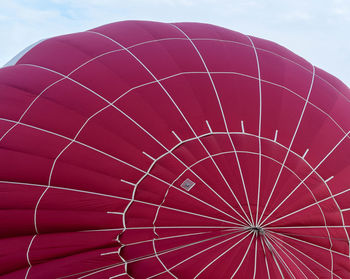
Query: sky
point(317, 30)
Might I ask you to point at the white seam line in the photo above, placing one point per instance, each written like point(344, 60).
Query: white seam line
point(304, 155)
point(276, 134)
point(290, 146)
point(109, 253)
point(115, 212)
point(329, 179)
point(242, 126)
point(259, 132)
point(178, 138)
point(27, 256)
point(210, 130)
point(128, 182)
point(226, 127)
point(149, 156)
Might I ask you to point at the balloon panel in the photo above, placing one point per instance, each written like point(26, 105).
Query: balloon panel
point(155, 150)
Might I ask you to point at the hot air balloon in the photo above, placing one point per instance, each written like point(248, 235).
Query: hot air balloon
point(156, 150)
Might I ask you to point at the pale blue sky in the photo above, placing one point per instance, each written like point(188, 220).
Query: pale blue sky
point(318, 30)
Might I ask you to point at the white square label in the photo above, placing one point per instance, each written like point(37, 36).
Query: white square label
point(187, 184)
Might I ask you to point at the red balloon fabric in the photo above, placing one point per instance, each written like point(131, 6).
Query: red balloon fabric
point(186, 150)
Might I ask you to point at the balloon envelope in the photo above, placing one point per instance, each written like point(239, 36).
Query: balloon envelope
point(154, 150)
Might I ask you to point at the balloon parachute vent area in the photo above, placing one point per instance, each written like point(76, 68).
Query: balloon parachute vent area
point(172, 150)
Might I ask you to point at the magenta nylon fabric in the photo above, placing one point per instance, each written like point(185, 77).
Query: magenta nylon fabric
point(101, 131)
